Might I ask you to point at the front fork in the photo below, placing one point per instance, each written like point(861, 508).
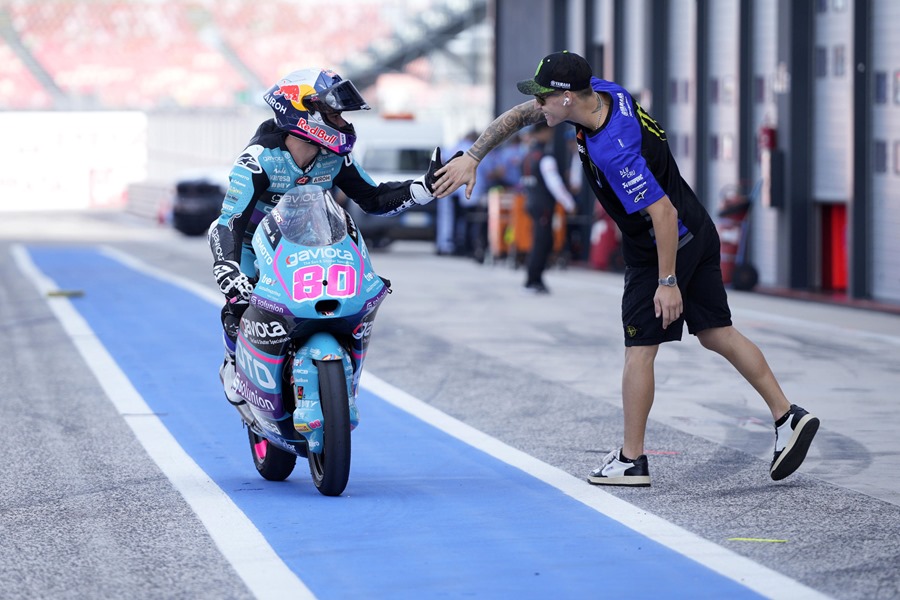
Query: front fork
point(308, 419)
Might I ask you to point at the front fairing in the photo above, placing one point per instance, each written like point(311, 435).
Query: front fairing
point(325, 282)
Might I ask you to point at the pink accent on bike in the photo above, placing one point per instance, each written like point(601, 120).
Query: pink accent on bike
point(278, 271)
point(362, 264)
point(259, 448)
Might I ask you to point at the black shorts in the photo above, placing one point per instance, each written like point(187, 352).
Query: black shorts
point(699, 272)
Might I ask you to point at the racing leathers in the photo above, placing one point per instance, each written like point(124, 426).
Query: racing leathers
point(258, 178)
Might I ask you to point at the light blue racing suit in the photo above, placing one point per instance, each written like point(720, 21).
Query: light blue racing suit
point(265, 170)
point(258, 178)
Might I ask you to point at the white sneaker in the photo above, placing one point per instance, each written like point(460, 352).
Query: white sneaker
point(227, 375)
point(615, 471)
point(793, 435)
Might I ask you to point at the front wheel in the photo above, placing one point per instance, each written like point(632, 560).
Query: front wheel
point(271, 462)
point(330, 468)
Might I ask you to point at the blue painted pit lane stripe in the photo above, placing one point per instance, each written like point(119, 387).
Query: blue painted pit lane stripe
point(422, 513)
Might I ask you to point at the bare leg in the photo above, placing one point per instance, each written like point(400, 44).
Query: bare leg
point(638, 385)
point(749, 361)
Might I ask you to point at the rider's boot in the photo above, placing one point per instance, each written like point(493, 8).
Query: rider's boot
point(227, 374)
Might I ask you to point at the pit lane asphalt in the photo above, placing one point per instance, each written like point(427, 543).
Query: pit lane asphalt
point(541, 374)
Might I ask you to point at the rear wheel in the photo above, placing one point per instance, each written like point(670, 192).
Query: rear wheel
point(271, 462)
point(330, 469)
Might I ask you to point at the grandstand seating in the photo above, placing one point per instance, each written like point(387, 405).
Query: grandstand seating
point(142, 54)
point(126, 54)
point(275, 38)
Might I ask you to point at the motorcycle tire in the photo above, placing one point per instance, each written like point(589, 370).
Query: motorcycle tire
point(330, 469)
point(271, 462)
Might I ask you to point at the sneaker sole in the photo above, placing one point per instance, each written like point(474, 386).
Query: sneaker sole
point(795, 451)
point(630, 481)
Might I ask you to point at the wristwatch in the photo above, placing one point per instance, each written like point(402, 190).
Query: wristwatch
point(670, 281)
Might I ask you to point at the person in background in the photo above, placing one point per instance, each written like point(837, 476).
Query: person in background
point(451, 229)
point(308, 141)
point(543, 187)
point(508, 168)
point(471, 216)
point(671, 249)
point(462, 223)
point(444, 238)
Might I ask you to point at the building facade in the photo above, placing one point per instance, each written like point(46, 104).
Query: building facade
point(794, 105)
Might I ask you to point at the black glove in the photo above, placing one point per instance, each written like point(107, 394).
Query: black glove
point(235, 285)
point(422, 188)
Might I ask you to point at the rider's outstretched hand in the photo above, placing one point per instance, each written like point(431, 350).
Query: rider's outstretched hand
point(235, 285)
point(422, 188)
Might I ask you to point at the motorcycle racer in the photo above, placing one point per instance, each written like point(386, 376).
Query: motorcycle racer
point(307, 142)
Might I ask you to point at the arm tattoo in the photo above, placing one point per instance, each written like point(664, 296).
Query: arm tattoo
point(504, 126)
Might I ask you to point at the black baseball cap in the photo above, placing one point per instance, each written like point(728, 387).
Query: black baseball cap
point(560, 71)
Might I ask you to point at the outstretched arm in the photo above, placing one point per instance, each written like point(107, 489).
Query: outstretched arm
point(461, 170)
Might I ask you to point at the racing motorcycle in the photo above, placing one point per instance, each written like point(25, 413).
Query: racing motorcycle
point(304, 336)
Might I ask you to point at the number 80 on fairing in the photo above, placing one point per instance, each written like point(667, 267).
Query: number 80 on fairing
point(313, 281)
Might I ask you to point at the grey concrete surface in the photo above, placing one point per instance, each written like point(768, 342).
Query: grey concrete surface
point(542, 374)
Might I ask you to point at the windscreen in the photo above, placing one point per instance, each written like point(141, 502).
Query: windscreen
point(309, 216)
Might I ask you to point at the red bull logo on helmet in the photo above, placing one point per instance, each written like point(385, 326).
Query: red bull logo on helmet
point(293, 92)
point(290, 92)
point(317, 132)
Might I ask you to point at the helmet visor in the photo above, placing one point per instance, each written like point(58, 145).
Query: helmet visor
point(340, 97)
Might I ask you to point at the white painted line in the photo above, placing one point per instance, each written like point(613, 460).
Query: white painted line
point(243, 546)
point(729, 564)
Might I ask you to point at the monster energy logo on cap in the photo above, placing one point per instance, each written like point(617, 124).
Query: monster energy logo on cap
point(559, 71)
